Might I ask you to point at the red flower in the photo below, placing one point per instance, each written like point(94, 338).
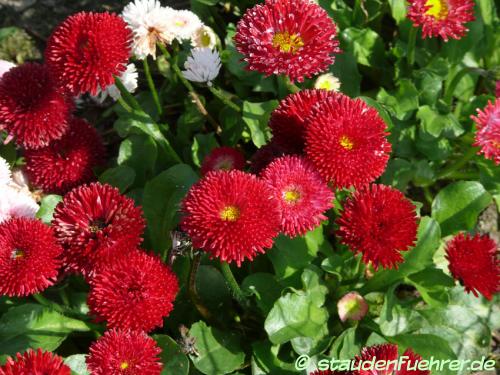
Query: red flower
point(474, 262)
point(265, 155)
point(133, 292)
point(31, 108)
point(223, 158)
point(328, 372)
point(346, 141)
point(232, 215)
point(488, 131)
point(379, 222)
point(34, 363)
point(67, 162)
point(87, 50)
point(121, 352)
point(444, 18)
point(95, 223)
point(28, 257)
point(301, 192)
point(288, 121)
point(389, 354)
point(290, 37)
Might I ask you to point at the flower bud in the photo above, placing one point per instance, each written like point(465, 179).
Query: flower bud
point(352, 307)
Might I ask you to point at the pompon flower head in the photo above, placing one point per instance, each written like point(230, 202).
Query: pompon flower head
point(16, 202)
point(5, 66)
point(443, 18)
point(67, 162)
point(133, 292)
point(34, 362)
point(28, 257)
point(5, 173)
point(31, 108)
point(488, 131)
point(302, 194)
point(183, 24)
point(87, 50)
point(203, 65)
point(129, 79)
point(95, 223)
point(223, 158)
point(389, 354)
point(288, 121)
point(347, 141)
point(352, 306)
point(329, 372)
point(120, 352)
point(290, 37)
point(265, 155)
point(231, 215)
point(148, 21)
point(497, 89)
point(327, 82)
point(473, 261)
point(204, 37)
point(378, 222)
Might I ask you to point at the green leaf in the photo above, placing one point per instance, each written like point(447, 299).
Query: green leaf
point(219, 352)
point(173, 359)
point(47, 207)
point(212, 288)
point(398, 9)
point(265, 360)
point(346, 345)
point(77, 364)
point(366, 45)
point(346, 70)
point(256, 116)
point(403, 101)
point(264, 287)
point(121, 177)
point(432, 284)
point(434, 124)
point(139, 152)
point(202, 145)
point(457, 206)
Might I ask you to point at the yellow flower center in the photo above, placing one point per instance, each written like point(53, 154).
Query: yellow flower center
point(124, 365)
point(291, 196)
point(438, 9)
point(346, 143)
point(17, 254)
point(230, 213)
point(205, 39)
point(180, 23)
point(286, 42)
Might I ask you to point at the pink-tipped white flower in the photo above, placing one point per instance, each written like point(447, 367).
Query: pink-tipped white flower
point(202, 66)
point(16, 203)
point(5, 174)
point(327, 82)
point(182, 24)
point(129, 79)
point(5, 66)
point(352, 307)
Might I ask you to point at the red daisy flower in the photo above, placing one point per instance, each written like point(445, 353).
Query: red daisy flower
point(389, 354)
point(28, 257)
point(288, 121)
point(35, 362)
point(67, 162)
point(121, 352)
point(290, 37)
point(474, 262)
point(31, 108)
point(94, 223)
point(302, 194)
point(328, 372)
point(497, 89)
point(379, 222)
point(346, 141)
point(488, 131)
point(223, 158)
point(87, 50)
point(232, 215)
point(444, 18)
point(133, 292)
point(265, 155)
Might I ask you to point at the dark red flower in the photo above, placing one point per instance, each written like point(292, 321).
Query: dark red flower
point(87, 49)
point(133, 292)
point(328, 372)
point(288, 121)
point(290, 37)
point(35, 362)
point(497, 89)
point(389, 354)
point(444, 18)
point(474, 262)
point(379, 222)
point(346, 141)
point(302, 194)
point(67, 162)
point(28, 257)
point(95, 223)
point(121, 352)
point(488, 131)
point(223, 158)
point(265, 155)
point(31, 108)
point(232, 215)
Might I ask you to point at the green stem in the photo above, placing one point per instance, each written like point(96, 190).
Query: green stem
point(124, 104)
point(448, 96)
point(291, 87)
point(152, 86)
point(428, 194)
point(219, 94)
point(468, 155)
point(126, 95)
point(233, 284)
point(412, 40)
point(176, 68)
point(193, 291)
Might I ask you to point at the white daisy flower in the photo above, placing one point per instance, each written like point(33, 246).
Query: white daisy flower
point(129, 79)
point(5, 66)
point(149, 22)
point(5, 174)
point(203, 65)
point(16, 203)
point(204, 37)
point(327, 82)
point(183, 24)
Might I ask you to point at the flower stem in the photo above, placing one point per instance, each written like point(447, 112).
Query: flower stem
point(124, 104)
point(233, 284)
point(412, 40)
point(127, 96)
point(219, 94)
point(469, 154)
point(152, 86)
point(193, 292)
point(48, 303)
point(448, 96)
